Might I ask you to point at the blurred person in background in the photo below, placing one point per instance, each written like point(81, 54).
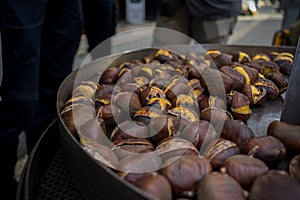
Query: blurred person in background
point(39, 40)
point(99, 23)
point(206, 21)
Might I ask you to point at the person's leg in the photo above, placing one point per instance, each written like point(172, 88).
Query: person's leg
point(61, 33)
point(20, 25)
point(100, 21)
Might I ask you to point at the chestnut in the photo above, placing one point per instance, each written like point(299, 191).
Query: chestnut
point(155, 186)
point(140, 163)
point(151, 92)
point(160, 128)
point(212, 101)
point(185, 100)
point(163, 55)
point(86, 88)
point(236, 131)
point(256, 96)
point(240, 106)
point(185, 113)
point(217, 186)
point(102, 154)
point(250, 74)
point(184, 174)
point(269, 86)
point(279, 80)
point(174, 89)
point(267, 148)
point(146, 114)
point(287, 133)
point(128, 102)
point(244, 169)
point(238, 79)
point(129, 129)
point(160, 103)
point(220, 151)
point(109, 113)
point(261, 56)
point(275, 185)
point(110, 75)
point(294, 167)
point(131, 146)
point(215, 115)
point(241, 57)
point(200, 133)
point(174, 146)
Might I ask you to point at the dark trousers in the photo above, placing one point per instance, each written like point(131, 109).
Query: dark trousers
point(39, 40)
point(99, 24)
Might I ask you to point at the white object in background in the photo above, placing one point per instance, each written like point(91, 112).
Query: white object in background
point(135, 11)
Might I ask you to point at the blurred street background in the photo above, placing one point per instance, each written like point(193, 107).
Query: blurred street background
point(256, 29)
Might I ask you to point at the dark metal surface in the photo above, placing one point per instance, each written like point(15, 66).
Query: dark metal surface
point(95, 180)
point(291, 108)
point(45, 176)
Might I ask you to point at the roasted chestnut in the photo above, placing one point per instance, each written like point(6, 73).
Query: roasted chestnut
point(215, 115)
point(294, 167)
point(275, 185)
point(184, 173)
point(236, 131)
point(244, 169)
point(239, 80)
point(174, 146)
point(240, 106)
point(217, 186)
point(200, 133)
point(279, 80)
point(146, 114)
point(288, 134)
point(255, 95)
point(269, 86)
point(267, 148)
point(110, 75)
point(128, 102)
point(185, 113)
point(220, 151)
point(212, 101)
point(155, 186)
point(109, 113)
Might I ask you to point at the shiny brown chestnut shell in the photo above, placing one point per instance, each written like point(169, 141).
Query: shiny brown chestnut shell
point(212, 101)
point(269, 86)
point(160, 103)
point(236, 131)
point(104, 90)
point(93, 131)
point(140, 163)
point(240, 106)
point(222, 59)
point(256, 96)
point(238, 79)
point(102, 154)
point(174, 146)
point(146, 114)
point(129, 129)
point(131, 146)
point(184, 173)
point(174, 89)
point(266, 148)
point(244, 169)
point(220, 151)
point(200, 133)
point(128, 102)
point(109, 113)
point(250, 74)
point(110, 75)
point(151, 92)
point(85, 88)
point(156, 186)
point(288, 134)
point(279, 80)
point(275, 185)
point(241, 57)
point(217, 186)
point(294, 167)
point(186, 100)
point(184, 113)
point(213, 114)
point(160, 128)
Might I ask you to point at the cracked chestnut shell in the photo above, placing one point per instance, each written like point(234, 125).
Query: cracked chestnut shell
point(240, 106)
point(213, 114)
point(131, 146)
point(256, 96)
point(236, 131)
point(238, 79)
point(244, 169)
point(184, 174)
point(275, 185)
point(212, 101)
point(128, 102)
point(269, 86)
point(217, 186)
point(110, 75)
point(174, 146)
point(279, 80)
point(220, 151)
point(267, 148)
point(250, 74)
point(109, 113)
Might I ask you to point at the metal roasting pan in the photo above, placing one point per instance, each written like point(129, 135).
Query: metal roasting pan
point(98, 182)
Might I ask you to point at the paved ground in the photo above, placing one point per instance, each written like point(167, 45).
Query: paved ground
point(250, 30)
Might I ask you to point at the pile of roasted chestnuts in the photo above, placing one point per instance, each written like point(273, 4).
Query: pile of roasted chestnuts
point(155, 121)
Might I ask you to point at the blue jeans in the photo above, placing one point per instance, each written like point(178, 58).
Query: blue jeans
point(39, 41)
